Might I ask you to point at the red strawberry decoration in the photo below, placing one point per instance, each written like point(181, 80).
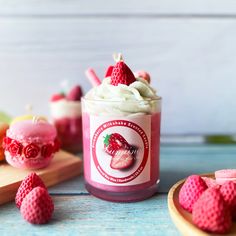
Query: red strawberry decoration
point(109, 71)
point(75, 94)
point(114, 142)
point(122, 159)
point(37, 207)
point(228, 191)
point(121, 73)
point(191, 190)
point(211, 213)
point(31, 181)
point(57, 97)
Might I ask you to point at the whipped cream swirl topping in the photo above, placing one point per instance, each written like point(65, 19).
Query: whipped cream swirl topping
point(122, 99)
point(65, 109)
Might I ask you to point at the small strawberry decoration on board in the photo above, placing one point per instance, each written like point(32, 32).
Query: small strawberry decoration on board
point(121, 73)
point(32, 198)
point(31, 181)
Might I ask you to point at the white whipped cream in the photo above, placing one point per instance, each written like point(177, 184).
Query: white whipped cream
point(65, 109)
point(122, 99)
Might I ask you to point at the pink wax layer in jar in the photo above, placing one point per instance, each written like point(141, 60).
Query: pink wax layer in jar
point(66, 115)
point(121, 140)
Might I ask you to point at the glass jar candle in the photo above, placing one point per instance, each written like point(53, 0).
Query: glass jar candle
point(66, 116)
point(121, 148)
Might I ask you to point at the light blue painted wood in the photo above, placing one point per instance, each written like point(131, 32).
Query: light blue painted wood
point(79, 213)
point(177, 162)
point(86, 215)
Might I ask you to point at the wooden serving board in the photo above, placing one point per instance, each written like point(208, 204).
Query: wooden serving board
point(63, 166)
point(183, 219)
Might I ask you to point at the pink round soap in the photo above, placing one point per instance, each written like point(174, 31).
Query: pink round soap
point(30, 144)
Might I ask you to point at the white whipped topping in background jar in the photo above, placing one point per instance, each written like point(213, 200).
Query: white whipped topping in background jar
point(64, 108)
point(137, 98)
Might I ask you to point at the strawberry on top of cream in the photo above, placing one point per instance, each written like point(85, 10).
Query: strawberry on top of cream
point(120, 93)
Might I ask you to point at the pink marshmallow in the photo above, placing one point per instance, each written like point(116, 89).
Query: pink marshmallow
point(225, 175)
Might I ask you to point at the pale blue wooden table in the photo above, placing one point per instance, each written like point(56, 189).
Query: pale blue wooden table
point(79, 213)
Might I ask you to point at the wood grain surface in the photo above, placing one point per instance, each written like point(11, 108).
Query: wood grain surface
point(63, 167)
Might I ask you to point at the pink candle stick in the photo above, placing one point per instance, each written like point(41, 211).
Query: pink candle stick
point(93, 78)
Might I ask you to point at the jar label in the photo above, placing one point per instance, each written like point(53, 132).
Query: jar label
point(120, 150)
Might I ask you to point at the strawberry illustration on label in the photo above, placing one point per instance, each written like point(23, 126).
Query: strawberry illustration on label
point(122, 159)
point(123, 154)
point(113, 142)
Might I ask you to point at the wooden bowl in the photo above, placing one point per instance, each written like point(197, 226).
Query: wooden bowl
point(182, 219)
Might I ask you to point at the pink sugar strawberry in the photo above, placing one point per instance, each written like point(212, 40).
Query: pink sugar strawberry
point(56, 97)
point(191, 190)
point(109, 71)
point(75, 94)
point(228, 191)
point(122, 159)
point(211, 213)
point(28, 184)
point(37, 207)
point(121, 74)
point(210, 182)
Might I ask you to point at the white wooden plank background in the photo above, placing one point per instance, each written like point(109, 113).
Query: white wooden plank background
point(80, 7)
point(187, 46)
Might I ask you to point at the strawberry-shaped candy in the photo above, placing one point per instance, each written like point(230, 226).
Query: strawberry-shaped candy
point(121, 73)
point(122, 159)
point(37, 207)
point(210, 182)
point(191, 190)
point(113, 142)
point(109, 71)
point(31, 181)
point(57, 97)
point(228, 191)
point(211, 213)
point(75, 94)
